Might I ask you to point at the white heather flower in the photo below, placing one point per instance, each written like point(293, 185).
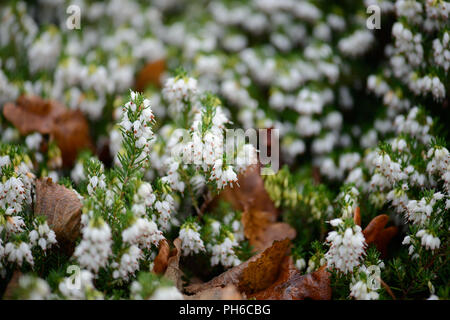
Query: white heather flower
point(96, 182)
point(165, 207)
point(428, 241)
point(145, 194)
point(33, 141)
point(364, 285)
point(357, 43)
point(34, 288)
point(77, 173)
point(166, 293)
point(223, 253)
point(190, 239)
point(300, 264)
point(17, 252)
point(14, 224)
point(309, 102)
point(81, 289)
point(346, 248)
point(128, 264)
point(178, 91)
point(43, 236)
point(143, 233)
point(95, 247)
point(44, 53)
point(12, 195)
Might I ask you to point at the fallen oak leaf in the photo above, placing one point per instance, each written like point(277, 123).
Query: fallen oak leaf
point(62, 208)
point(292, 285)
point(250, 191)
point(259, 217)
point(150, 74)
point(235, 274)
point(71, 133)
point(173, 271)
point(32, 113)
point(261, 273)
point(162, 259)
point(375, 232)
point(69, 128)
point(262, 231)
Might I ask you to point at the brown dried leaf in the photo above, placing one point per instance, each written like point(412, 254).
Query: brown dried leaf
point(262, 231)
point(173, 271)
point(262, 272)
point(250, 192)
point(62, 208)
point(229, 292)
point(68, 128)
point(357, 216)
point(292, 285)
point(13, 284)
point(259, 212)
point(32, 113)
point(375, 232)
point(150, 74)
point(71, 133)
point(234, 275)
point(161, 260)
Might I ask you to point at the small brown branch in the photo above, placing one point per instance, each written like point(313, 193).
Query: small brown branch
point(388, 289)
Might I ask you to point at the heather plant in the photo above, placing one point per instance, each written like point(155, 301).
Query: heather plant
point(126, 121)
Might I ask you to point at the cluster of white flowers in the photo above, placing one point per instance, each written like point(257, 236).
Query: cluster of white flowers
point(365, 283)
point(190, 239)
point(17, 252)
point(82, 289)
point(223, 252)
point(143, 233)
point(12, 195)
point(356, 44)
point(44, 52)
point(160, 293)
point(442, 51)
point(43, 236)
point(139, 127)
point(94, 250)
point(347, 246)
point(179, 92)
point(96, 182)
point(128, 263)
point(428, 240)
point(203, 148)
point(34, 288)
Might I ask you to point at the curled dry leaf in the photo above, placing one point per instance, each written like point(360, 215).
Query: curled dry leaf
point(261, 273)
point(259, 216)
point(31, 113)
point(173, 271)
point(234, 276)
point(262, 231)
point(68, 128)
point(62, 208)
point(150, 74)
point(250, 192)
point(292, 285)
point(376, 233)
point(162, 259)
